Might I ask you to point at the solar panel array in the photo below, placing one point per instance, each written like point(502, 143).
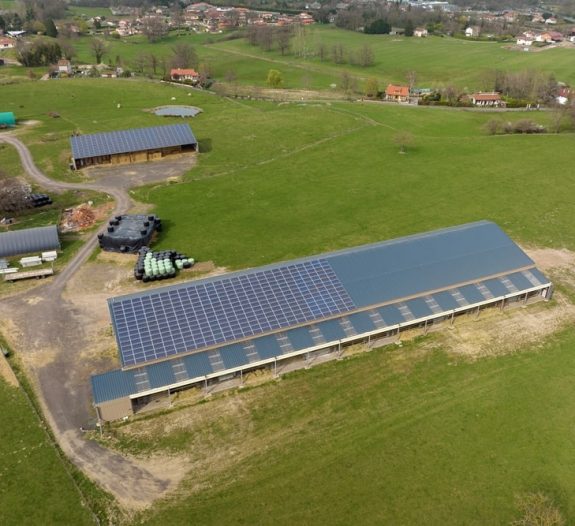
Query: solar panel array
point(115, 384)
point(181, 319)
point(136, 140)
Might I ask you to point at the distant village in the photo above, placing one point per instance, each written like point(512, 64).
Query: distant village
point(522, 30)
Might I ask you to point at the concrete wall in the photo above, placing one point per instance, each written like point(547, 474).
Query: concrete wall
point(115, 409)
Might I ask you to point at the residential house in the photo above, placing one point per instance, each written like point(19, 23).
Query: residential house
point(472, 32)
point(563, 96)
point(6, 43)
point(304, 18)
point(181, 74)
point(551, 21)
point(492, 99)
point(65, 67)
point(420, 32)
point(525, 39)
point(397, 93)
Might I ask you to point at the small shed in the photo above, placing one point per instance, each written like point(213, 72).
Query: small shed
point(7, 119)
point(29, 240)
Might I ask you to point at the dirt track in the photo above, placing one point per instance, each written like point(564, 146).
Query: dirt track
point(48, 332)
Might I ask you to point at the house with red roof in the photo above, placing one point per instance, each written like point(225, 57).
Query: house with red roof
point(182, 74)
point(397, 93)
point(492, 99)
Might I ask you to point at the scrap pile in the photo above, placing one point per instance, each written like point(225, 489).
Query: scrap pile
point(78, 218)
point(159, 265)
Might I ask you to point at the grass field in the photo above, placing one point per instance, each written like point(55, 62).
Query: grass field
point(279, 181)
point(437, 61)
point(35, 487)
point(394, 436)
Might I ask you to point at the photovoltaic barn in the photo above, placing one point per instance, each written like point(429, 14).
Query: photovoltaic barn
point(131, 146)
point(209, 330)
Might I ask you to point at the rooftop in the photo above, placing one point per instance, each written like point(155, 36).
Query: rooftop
point(134, 140)
point(360, 291)
point(207, 313)
point(29, 240)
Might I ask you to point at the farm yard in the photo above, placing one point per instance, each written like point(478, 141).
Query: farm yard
point(405, 434)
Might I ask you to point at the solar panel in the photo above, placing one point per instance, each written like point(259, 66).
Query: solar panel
point(135, 140)
point(201, 314)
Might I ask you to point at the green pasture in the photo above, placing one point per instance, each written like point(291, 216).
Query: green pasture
point(7, 4)
point(88, 12)
point(277, 181)
point(437, 61)
point(395, 436)
point(35, 486)
point(390, 437)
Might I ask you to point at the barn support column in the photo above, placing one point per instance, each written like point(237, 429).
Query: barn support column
point(452, 318)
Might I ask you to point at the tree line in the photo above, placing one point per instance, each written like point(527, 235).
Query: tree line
point(299, 41)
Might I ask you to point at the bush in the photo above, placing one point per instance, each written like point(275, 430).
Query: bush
point(537, 509)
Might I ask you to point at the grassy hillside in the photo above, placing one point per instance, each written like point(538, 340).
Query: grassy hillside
point(392, 437)
point(396, 436)
point(437, 61)
point(277, 181)
point(35, 487)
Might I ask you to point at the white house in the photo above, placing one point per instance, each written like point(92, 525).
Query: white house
point(526, 39)
point(472, 32)
point(65, 66)
point(420, 32)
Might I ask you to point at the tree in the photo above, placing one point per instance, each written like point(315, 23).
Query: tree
point(347, 83)
point(378, 27)
point(68, 50)
point(338, 54)
point(492, 127)
point(322, 51)
point(411, 77)
point(409, 28)
point(365, 56)
point(404, 140)
point(154, 28)
point(184, 56)
point(140, 62)
point(274, 79)
point(51, 30)
point(98, 49)
point(153, 62)
point(40, 52)
point(283, 37)
point(371, 88)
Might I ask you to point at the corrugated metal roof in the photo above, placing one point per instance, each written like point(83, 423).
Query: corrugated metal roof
point(412, 265)
point(401, 280)
point(135, 140)
point(29, 240)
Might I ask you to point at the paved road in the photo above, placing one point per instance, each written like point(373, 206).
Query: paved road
point(47, 325)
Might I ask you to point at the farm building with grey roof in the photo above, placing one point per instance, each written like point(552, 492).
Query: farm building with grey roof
point(130, 146)
point(208, 330)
